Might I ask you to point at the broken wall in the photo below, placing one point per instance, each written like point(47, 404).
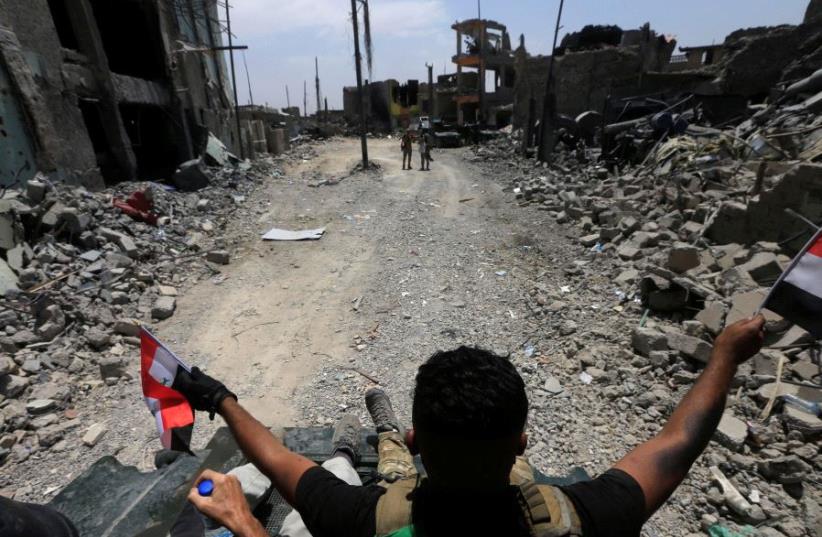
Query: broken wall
point(764, 217)
point(34, 59)
point(109, 78)
point(758, 59)
point(584, 79)
point(208, 103)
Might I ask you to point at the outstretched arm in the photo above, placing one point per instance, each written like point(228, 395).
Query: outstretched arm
point(660, 464)
point(283, 467)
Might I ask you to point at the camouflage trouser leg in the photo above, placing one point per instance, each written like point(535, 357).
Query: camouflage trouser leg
point(394, 460)
point(521, 472)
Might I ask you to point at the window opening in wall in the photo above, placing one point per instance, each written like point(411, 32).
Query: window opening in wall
point(154, 140)
point(62, 22)
point(131, 38)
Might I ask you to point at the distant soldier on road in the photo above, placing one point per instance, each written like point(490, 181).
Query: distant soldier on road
point(407, 146)
point(425, 153)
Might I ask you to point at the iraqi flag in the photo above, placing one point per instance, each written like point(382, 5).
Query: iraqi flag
point(158, 371)
point(797, 295)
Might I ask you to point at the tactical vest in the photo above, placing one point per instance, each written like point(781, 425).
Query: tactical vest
point(547, 510)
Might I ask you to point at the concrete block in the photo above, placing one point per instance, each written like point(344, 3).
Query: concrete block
point(191, 176)
point(35, 191)
point(112, 367)
point(647, 340)
point(7, 235)
point(731, 431)
point(629, 252)
point(690, 346)
point(221, 257)
point(163, 308)
point(763, 268)
point(744, 305)
point(94, 434)
point(127, 327)
point(589, 240)
point(713, 317)
point(8, 279)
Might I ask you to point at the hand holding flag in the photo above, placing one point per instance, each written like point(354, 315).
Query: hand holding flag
point(797, 295)
point(171, 388)
point(159, 370)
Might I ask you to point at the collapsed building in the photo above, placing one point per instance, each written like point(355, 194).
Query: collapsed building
point(93, 91)
point(605, 70)
point(487, 51)
point(589, 67)
point(266, 130)
point(481, 91)
point(388, 103)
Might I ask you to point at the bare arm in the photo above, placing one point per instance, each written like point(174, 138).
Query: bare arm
point(283, 467)
point(660, 464)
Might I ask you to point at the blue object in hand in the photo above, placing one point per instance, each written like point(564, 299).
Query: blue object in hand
point(205, 487)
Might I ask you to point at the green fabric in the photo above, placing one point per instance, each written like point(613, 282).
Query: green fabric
point(407, 531)
point(721, 531)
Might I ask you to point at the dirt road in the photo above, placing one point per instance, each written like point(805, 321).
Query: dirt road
point(285, 310)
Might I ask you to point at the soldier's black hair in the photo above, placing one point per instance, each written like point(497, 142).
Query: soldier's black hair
point(469, 393)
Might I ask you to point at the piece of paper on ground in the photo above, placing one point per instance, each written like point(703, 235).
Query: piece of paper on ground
point(286, 235)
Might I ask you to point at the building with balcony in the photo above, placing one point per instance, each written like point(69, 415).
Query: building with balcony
point(483, 49)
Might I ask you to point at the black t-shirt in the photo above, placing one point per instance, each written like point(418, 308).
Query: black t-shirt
point(30, 520)
point(611, 505)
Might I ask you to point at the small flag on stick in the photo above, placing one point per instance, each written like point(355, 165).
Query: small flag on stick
point(171, 410)
point(797, 294)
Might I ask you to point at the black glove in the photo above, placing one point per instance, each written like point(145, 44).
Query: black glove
point(202, 392)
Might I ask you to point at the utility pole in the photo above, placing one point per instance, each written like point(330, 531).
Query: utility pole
point(479, 9)
point(305, 99)
point(233, 77)
point(481, 71)
point(357, 60)
point(430, 89)
point(287, 97)
point(546, 143)
point(317, 83)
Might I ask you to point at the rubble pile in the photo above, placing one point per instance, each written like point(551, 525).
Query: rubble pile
point(693, 232)
point(80, 272)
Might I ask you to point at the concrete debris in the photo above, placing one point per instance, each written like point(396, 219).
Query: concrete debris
point(731, 432)
point(163, 308)
point(79, 276)
point(94, 434)
point(221, 257)
point(691, 230)
point(191, 176)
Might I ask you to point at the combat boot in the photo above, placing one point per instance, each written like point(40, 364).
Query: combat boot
point(379, 406)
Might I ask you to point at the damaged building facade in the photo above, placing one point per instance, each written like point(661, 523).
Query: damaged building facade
point(483, 49)
point(590, 66)
point(607, 69)
point(94, 91)
point(480, 91)
point(389, 104)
